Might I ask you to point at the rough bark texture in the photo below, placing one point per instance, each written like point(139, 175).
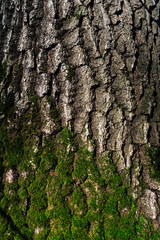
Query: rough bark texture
point(91, 66)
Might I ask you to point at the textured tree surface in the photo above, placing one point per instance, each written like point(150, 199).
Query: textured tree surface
point(80, 119)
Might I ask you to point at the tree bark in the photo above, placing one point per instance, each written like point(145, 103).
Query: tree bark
point(91, 66)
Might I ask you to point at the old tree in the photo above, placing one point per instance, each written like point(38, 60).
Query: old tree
point(79, 119)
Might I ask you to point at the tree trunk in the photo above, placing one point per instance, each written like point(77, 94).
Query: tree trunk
point(80, 119)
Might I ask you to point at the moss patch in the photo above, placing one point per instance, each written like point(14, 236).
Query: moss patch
point(61, 191)
point(154, 162)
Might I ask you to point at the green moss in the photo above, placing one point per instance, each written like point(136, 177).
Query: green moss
point(154, 162)
point(25, 168)
point(47, 155)
point(54, 113)
point(43, 67)
point(12, 234)
point(17, 199)
point(61, 218)
point(17, 216)
point(3, 225)
point(78, 14)
point(61, 185)
point(13, 151)
point(77, 202)
point(36, 191)
point(7, 104)
point(80, 227)
point(145, 230)
point(82, 159)
point(34, 99)
point(98, 233)
point(68, 194)
point(117, 225)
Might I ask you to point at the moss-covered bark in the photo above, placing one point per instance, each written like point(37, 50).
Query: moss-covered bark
point(56, 190)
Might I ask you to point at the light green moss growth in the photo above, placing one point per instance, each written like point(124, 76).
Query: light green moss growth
point(62, 190)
